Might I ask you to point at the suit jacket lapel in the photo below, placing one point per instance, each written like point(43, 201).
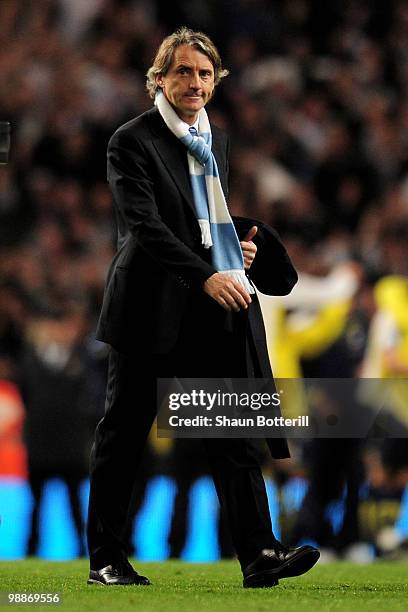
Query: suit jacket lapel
point(174, 156)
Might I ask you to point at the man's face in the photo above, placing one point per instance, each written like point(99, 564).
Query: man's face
point(189, 82)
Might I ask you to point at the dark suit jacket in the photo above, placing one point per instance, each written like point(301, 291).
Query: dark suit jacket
point(160, 260)
point(160, 266)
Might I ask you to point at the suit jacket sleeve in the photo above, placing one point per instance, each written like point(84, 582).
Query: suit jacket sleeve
point(133, 191)
point(272, 271)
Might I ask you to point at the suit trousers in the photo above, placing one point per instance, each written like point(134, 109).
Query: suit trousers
point(131, 407)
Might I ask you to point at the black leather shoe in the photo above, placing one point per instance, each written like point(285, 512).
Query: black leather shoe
point(272, 564)
point(116, 575)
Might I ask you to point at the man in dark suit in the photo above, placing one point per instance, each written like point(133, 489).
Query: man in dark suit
point(168, 311)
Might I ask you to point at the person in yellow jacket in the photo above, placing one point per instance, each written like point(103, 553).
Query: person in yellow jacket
point(304, 326)
point(387, 350)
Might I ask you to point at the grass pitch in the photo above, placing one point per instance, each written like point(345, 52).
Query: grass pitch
point(215, 587)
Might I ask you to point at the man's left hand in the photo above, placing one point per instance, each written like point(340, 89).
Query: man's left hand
point(249, 248)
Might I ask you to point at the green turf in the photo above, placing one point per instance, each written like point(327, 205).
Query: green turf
point(214, 587)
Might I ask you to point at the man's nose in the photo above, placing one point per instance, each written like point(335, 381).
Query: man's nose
point(195, 81)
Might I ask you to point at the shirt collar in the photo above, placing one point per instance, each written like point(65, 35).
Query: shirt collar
point(195, 125)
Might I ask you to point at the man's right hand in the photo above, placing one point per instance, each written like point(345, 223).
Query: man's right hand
point(229, 293)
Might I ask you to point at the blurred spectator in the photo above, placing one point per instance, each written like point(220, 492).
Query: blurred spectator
point(13, 459)
point(61, 409)
point(188, 462)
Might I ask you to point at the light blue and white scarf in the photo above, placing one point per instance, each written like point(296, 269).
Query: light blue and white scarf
point(217, 229)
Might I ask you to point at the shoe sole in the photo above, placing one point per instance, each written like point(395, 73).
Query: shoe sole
point(294, 567)
point(103, 584)
point(260, 581)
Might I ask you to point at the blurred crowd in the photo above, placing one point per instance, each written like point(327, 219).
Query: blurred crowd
point(316, 107)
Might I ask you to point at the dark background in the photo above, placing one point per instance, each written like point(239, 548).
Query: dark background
point(317, 110)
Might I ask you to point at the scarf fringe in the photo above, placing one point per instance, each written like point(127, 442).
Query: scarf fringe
point(240, 277)
point(206, 239)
